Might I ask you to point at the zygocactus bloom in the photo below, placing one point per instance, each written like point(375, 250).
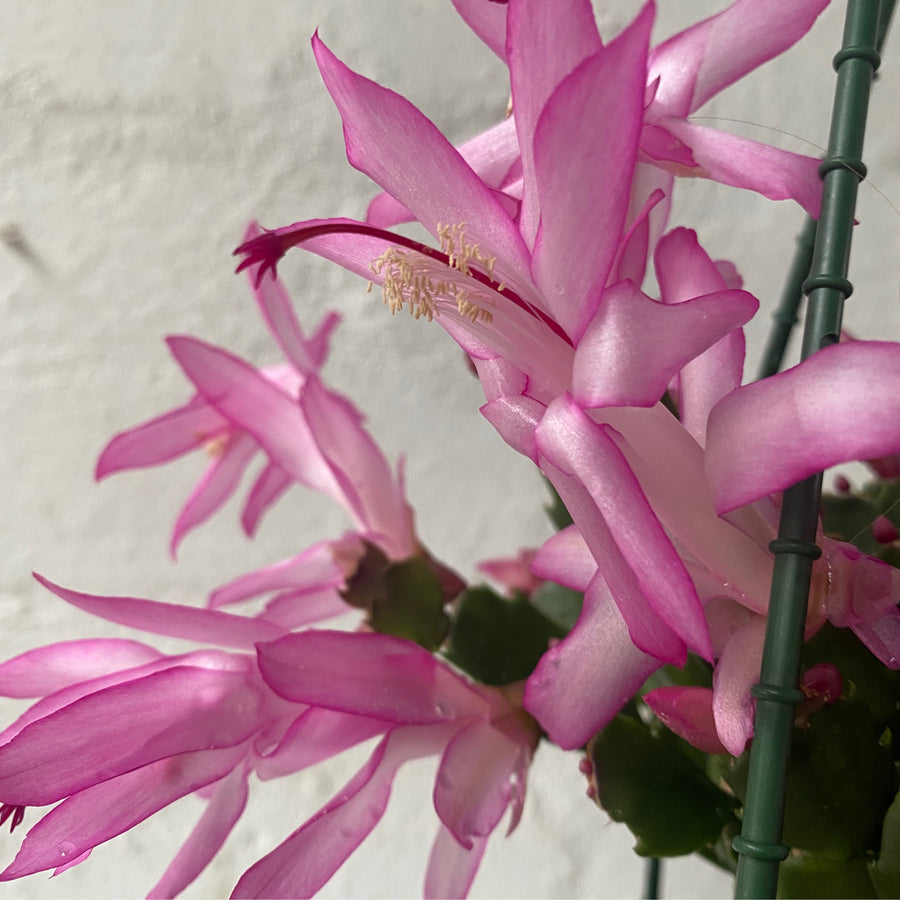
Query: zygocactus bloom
point(122, 730)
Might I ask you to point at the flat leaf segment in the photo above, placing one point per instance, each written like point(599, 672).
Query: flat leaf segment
point(759, 844)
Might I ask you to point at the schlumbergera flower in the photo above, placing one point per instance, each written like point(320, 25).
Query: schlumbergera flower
point(121, 730)
point(547, 315)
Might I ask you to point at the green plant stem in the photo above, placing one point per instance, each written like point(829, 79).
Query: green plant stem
point(759, 844)
point(652, 873)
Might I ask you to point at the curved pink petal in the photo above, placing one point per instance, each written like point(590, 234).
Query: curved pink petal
point(297, 609)
point(271, 483)
point(882, 637)
point(634, 345)
point(648, 630)
point(687, 711)
point(314, 736)
point(318, 566)
point(588, 134)
point(513, 572)
point(126, 726)
point(490, 154)
point(102, 811)
point(206, 838)
point(697, 63)
point(621, 529)
point(65, 696)
point(389, 140)
point(205, 625)
point(451, 867)
point(857, 588)
point(47, 669)
point(668, 463)
point(839, 405)
point(255, 405)
point(516, 419)
point(585, 679)
point(475, 781)
point(217, 484)
point(302, 863)
point(487, 20)
point(736, 672)
point(739, 162)
point(373, 494)
point(380, 676)
point(542, 48)
point(684, 270)
point(162, 439)
point(566, 558)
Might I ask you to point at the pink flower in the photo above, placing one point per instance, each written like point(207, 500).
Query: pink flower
point(200, 424)
point(544, 44)
point(122, 731)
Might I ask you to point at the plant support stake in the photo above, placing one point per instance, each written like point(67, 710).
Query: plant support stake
point(759, 845)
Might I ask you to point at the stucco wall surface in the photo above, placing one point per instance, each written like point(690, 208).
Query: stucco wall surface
point(138, 138)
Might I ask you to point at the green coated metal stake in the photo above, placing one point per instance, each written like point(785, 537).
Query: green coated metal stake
point(759, 844)
point(785, 316)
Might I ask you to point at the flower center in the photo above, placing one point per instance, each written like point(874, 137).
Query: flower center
point(421, 282)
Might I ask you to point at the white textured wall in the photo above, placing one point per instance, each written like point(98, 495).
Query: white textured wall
point(137, 140)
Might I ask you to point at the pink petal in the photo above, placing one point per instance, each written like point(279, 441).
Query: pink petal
point(205, 840)
point(162, 439)
point(205, 625)
point(218, 483)
point(102, 811)
point(543, 47)
point(688, 711)
point(379, 675)
point(566, 558)
point(684, 270)
point(47, 669)
point(389, 140)
point(634, 345)
point(668, 463)
point(314, 736)
point(487, 20)
point(272, 482)
point(697, 63)
point(318, 566)
point(584, 680)
point(373, 494)
point(857, 588)
point(452, 868)
point(65, 696)
point(514, 573)
point(255, 405)
point(124, 727)
point(588, 134)
point(305, 861)
point(739, 162)
point(839, 405)
point(297, 609)
point(491, 155)
point(622, 531)
point(882, 637)
point(516, 419)
point(736, 672)
point(475, 781)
